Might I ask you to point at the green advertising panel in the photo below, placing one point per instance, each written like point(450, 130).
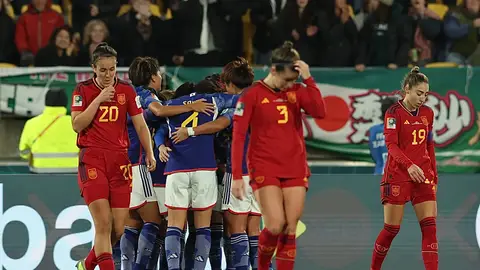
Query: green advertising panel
point(352, 101)
point(45, 225)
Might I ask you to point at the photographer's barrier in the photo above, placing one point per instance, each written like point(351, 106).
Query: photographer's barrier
point(44, 224)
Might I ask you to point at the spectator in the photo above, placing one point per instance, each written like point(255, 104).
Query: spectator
point(147, 33)
point(461, 28)
point(384, 39)
point(339, 37)
point(300, 22)
point(8, 52)
point(203, 31)
point(34, 28)
point(426, 27)
point(263, 15)
point(48, 140)
point(60, 50)
point(363, 14)
point(84, 11)
point(95, 32)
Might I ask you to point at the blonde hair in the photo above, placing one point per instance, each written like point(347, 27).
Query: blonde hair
point(89, 28)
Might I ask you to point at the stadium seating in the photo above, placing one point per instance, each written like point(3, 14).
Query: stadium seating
point(154, 9)
point(441, 65)
point(439, 9)
point(55, 7)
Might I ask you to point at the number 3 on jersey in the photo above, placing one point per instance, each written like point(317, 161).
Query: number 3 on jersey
point(193, 118)
point(109, 114)
point(418, 136)
point(283, 110)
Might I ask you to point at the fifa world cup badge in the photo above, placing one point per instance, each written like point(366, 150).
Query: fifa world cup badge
point(391, 123)
point(239, 109)
point(77, 101)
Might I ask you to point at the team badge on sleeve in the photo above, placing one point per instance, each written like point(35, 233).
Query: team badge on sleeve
point(121, 99)
point(77, 101)
point(391, 123)
point(137, 100)
point(239, 109)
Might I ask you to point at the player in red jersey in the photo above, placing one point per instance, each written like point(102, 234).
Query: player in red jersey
point(271, 109)
point(411, 171)
point(99, 116)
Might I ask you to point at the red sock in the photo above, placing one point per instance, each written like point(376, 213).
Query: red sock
point(429, 243)
point(91, 260)
point(286, 252)
point(105, 261)
point(267, 242)
point(382, 245)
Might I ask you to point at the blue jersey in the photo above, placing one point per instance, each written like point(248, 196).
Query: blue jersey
point(378, 150)
point(136, 153)
point(196, 152)
point(225, 139)
point(158, 177)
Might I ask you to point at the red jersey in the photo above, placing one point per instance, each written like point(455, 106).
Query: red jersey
point(108, 129)
point(409, 140)
point(274, 119)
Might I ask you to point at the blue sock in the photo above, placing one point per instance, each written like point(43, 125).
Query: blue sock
point(173, 247)
point(190, 250)
point(146, 244)
point(216, 252)
point(128, 247)
point(163, 256)
point(241, 258)
point(253, 242)
point(203, 241)
point(182, 248)
point(117, 256)
point(228, 252)
point(159, 245)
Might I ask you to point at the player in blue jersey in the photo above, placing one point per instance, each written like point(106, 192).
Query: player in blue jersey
point(191, 180)
point(242, 216)
point(376, 139)
point(145, 75)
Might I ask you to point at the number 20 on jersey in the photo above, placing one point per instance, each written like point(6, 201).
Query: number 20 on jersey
point(108, 114)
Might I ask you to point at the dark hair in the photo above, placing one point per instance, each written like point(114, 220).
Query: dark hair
point(238, 72)
point(215, 82)
point(165, 95)
point(208, 86)
point(102, 50)
point(56, 97)
point(57, 30)
point(386, 103)
point(184, 89)
point(142, 69)
point(413, 78)
point(285, 54)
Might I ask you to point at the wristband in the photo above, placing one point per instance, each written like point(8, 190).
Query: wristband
point(190, 131)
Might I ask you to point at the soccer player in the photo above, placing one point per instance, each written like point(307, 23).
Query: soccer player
point(271, 110)
point(411, 170)
point(99, 116)
point(242, 216)
point(376, 139)
point(191, 177)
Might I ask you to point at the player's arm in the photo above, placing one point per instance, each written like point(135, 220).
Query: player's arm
point(82, 115)
point(431, 147)
point(165, 111)
point(241, 122)
point(311, 100)
point(391, 140)
point(212, 127)
point(160, 135)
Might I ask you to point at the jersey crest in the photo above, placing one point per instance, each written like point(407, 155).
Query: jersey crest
point(121, 99)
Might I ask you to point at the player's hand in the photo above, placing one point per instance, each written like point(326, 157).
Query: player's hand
point(151, 162)
point(107, 94)
point(238, 189)
point(416, 174)
point(303, 69)
point(164, 153)
point(203, 106)
point(180, 135)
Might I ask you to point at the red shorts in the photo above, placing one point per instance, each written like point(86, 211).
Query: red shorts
point(104, 174)
point(262, 181)
point(403, 192)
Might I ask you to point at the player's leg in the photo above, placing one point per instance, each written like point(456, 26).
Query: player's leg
point(394, 198)
point(227, 190)
point(129, 240)
point(189, 244)
point(160, 243)
point(270, 197)
point(204, 197)
point(425, 206)
point(177, 200)
point(253, 228)
point(216, 226)
point(294, 193)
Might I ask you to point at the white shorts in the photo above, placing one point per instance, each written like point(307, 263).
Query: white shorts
point(160, 195)
point(219, 205)
point(197, 190)
point(247, 206)
point(142, 187)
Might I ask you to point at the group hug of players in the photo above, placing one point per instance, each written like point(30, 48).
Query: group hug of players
point(225, 151)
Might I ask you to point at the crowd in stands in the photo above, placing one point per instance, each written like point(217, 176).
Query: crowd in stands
point(327, 33)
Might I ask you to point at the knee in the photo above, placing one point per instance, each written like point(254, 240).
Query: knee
point(428, 225)
point(103, 225)
point(277, 225)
